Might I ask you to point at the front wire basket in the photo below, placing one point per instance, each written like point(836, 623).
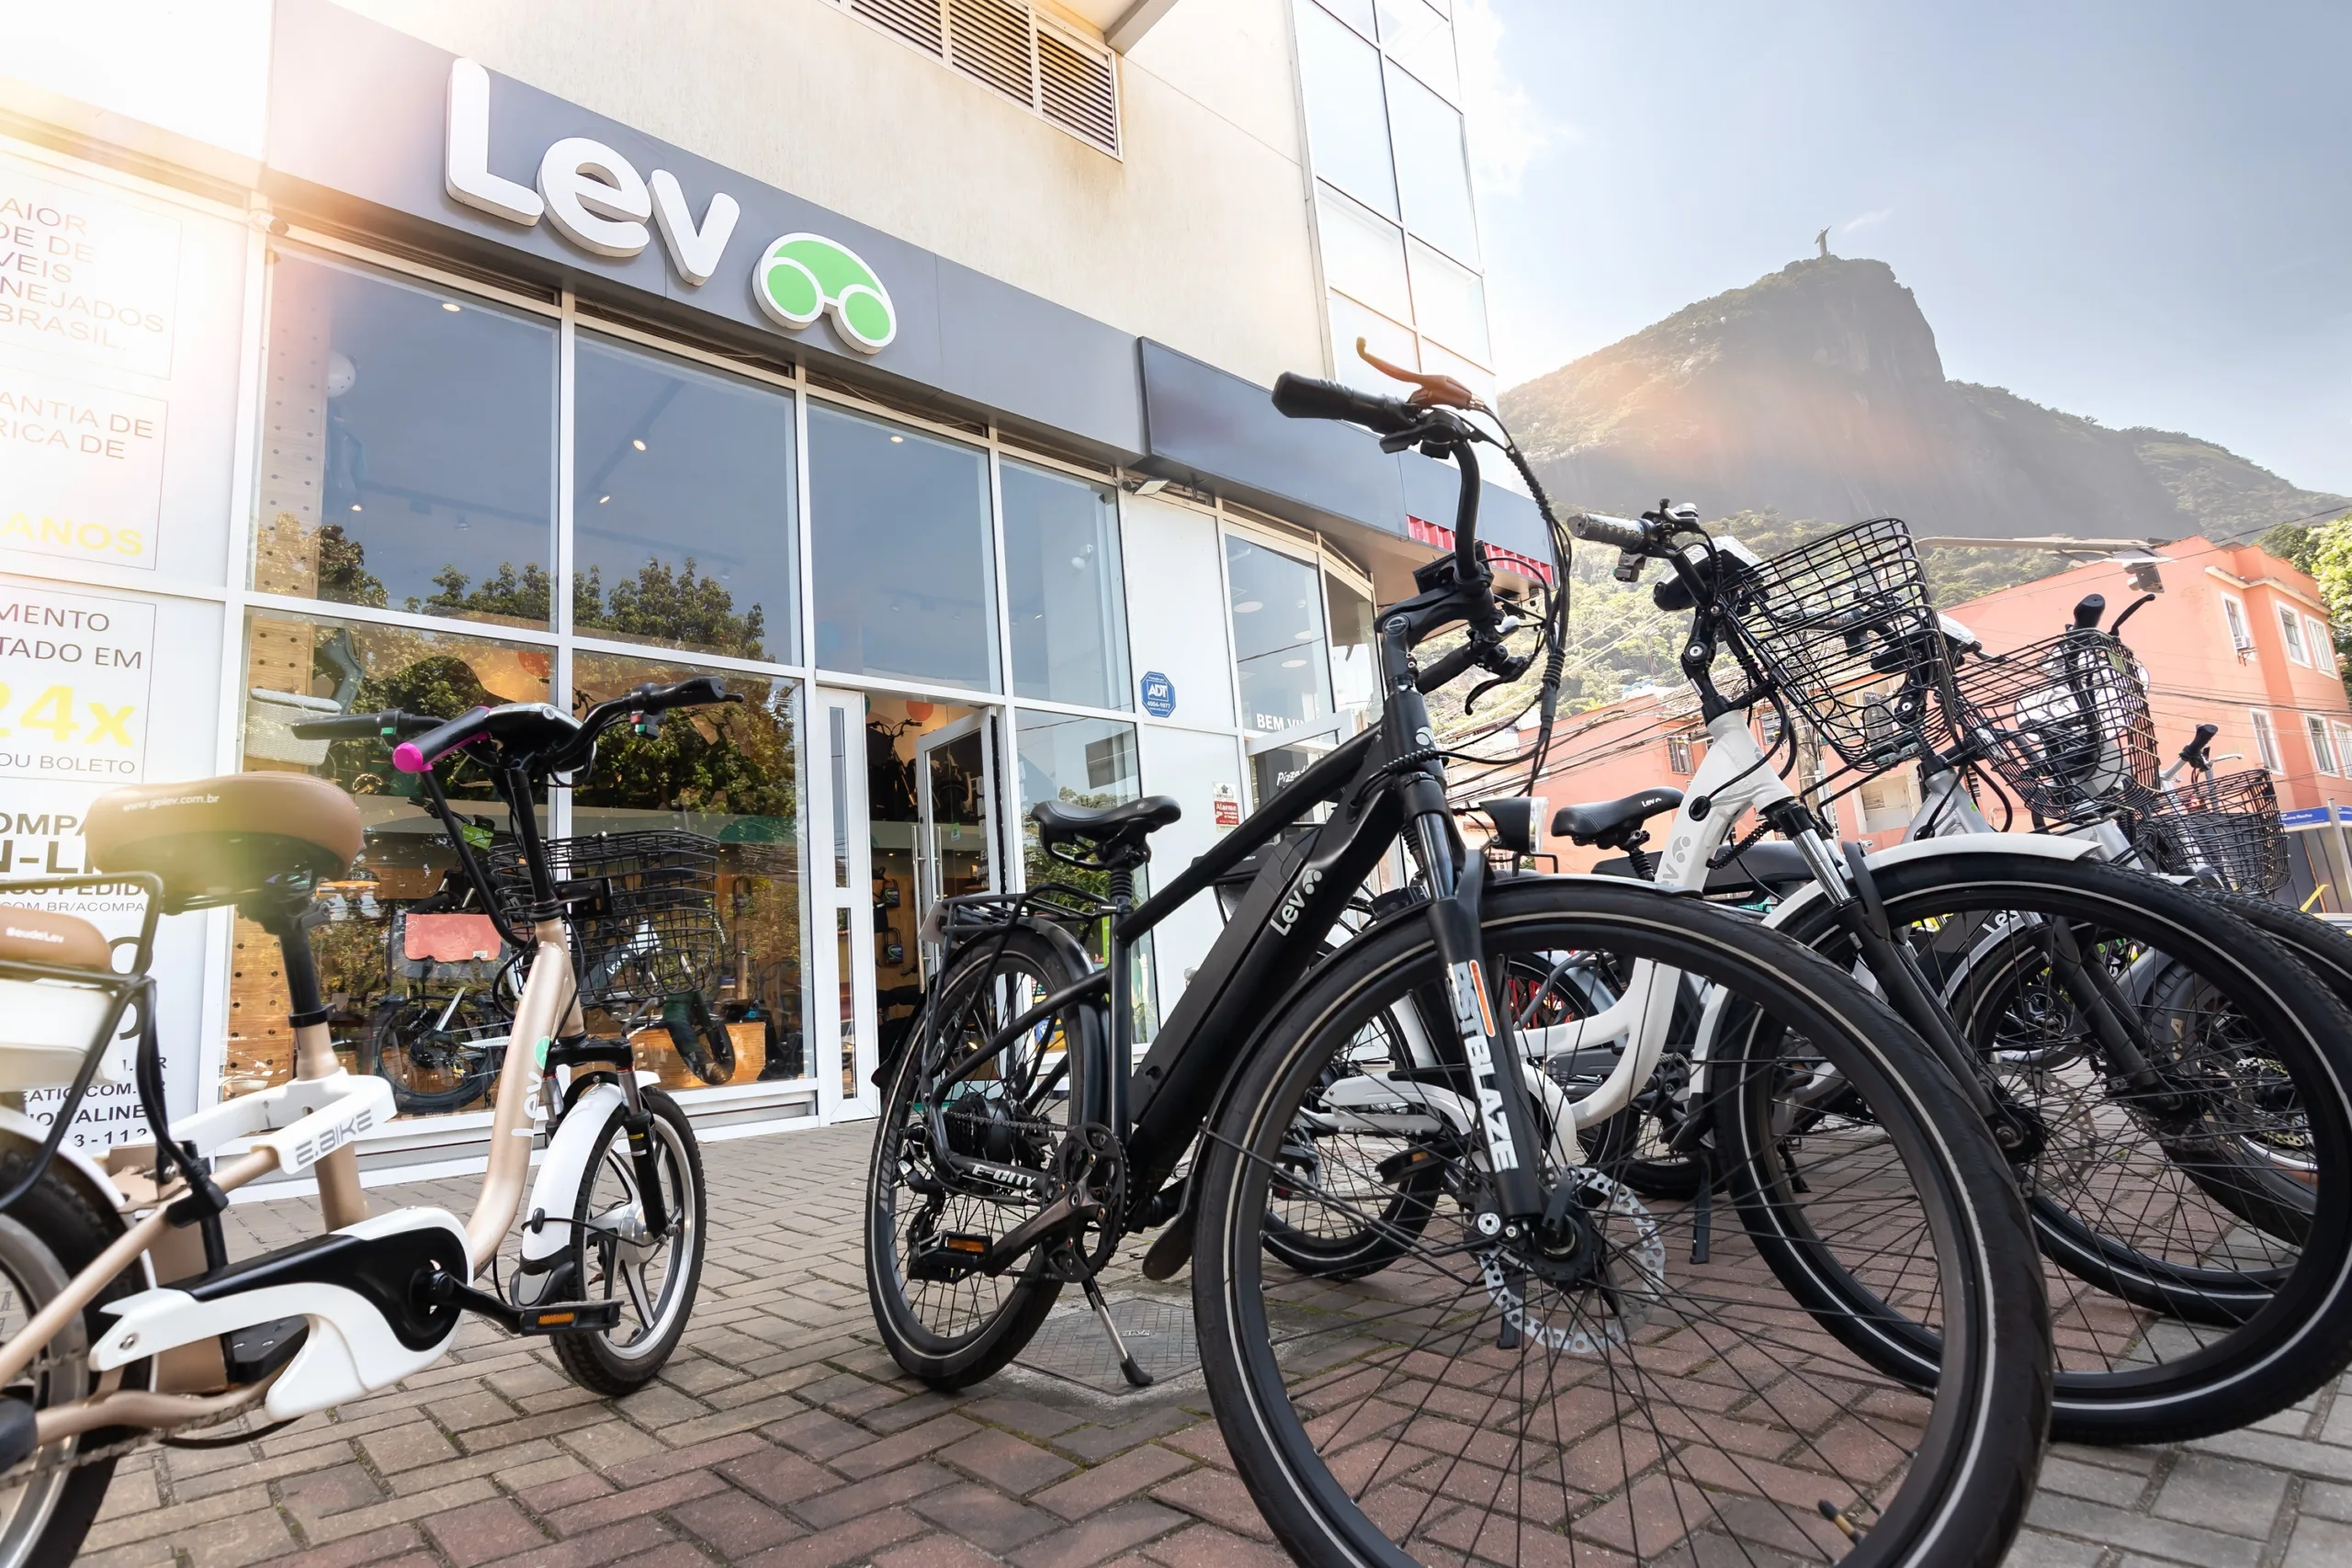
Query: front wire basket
point(643, 910)
point(2066, 724)
point(2227, 829)
point(1845, 629)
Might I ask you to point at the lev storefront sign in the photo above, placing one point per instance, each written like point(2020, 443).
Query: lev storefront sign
point(596, 199)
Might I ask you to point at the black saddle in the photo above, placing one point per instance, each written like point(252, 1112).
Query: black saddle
point(1112, 836)
point(1612, 824)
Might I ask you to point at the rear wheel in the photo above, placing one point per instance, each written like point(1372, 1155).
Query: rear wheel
point(1586, 1390)
point(45, 1238)
point(928, 1211)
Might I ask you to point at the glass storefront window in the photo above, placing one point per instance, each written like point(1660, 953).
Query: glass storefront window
point(683, 504)
point(1277, 637)
point(1347, 125)
point(408, 456)
point(1087, 761)
point(730, 774)
point(1064, 588)
point(299, 667)
point(905, 580)
point(1355, 670)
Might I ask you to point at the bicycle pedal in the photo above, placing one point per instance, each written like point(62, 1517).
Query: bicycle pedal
point(947, 1257)
point(569, 1317)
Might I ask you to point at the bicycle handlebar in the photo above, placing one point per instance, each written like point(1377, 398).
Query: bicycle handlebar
point(1308, 397)
point(417, 755)
point(2194, 753)
point(1622, 533)
point(365, 726)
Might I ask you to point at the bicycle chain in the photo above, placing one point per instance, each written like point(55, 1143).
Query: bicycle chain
point(44, 1460)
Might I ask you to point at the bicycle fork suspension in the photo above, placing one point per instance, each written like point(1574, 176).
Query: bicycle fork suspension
point(1506, 1123)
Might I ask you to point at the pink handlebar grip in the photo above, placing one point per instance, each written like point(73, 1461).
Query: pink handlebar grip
point(408, 759)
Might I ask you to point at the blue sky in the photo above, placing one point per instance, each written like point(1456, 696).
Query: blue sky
point(2140, 210)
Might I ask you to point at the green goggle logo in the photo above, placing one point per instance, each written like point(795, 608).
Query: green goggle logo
point(802, 276)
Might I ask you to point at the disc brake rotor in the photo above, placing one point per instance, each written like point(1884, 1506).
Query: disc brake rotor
point(1603, 1311)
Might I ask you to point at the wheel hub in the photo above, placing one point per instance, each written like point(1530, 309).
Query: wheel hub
point(1602, 1264)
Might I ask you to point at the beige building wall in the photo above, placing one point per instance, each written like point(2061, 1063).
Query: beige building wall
point(1199, 236)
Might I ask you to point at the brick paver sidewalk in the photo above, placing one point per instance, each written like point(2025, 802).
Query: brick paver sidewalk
point(781, 1435)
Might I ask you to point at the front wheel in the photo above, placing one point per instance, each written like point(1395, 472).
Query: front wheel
point(1583, 1388)
point(615, 1254)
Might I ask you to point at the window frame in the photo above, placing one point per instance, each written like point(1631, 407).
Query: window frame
point(2291, 634)
point(2320, 640)
point(2266, 740)
point(2240, 626)
point(2323, 745)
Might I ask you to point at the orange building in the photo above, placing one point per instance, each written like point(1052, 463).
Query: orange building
point(2237, 638)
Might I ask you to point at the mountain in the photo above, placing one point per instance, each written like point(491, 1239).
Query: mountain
point(1816, 392)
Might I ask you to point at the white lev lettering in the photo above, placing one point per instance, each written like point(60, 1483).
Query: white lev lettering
point(596, 198)
point(1295, 901)
point(694, 250)
point(466, 170)
point(1469, 1009)
point(593, 196)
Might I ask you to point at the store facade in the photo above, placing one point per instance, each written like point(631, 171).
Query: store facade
point(460, 392)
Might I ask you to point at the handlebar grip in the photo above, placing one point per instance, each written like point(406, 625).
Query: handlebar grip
point(695, 692)
point(2089, 610)
point(1306, 397)
point(347, 726)
point(1595, 529)
point(419, 755)
point(2194, 753)
point(365, 726)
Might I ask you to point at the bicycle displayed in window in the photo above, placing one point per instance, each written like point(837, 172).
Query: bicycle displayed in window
point(126, 1320)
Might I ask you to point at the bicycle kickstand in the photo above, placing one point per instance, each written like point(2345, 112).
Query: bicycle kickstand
point(1128, 1368)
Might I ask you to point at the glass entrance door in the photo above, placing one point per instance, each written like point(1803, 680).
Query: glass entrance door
point(843, 1032)
point(956, 787)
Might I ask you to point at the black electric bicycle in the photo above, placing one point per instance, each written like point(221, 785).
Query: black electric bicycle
point(1536, 1367)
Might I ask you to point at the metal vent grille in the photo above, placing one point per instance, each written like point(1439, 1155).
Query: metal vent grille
point(1079, 88)
point(994, 41)
point(917, 21)
point(1050, 68)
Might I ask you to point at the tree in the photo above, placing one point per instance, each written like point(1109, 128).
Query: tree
point(344, 577)
point(506, 595)
point(2327, 557)
point(682, 608)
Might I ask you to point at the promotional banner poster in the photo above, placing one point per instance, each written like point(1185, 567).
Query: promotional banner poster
point(121, 312)
point(97, 690)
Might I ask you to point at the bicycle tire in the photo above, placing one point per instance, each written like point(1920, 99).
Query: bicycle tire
point(2283, 1332)
point(976, 1350)
point(1979, 1431)
point(593, 1358)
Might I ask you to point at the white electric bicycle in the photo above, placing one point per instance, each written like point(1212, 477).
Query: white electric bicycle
point(125, 1319)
